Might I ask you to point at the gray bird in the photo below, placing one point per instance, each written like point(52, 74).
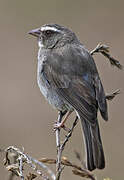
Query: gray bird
point(68, 78)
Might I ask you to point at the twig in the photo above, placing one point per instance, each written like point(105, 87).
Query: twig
point(20, 159)
point(103, 49)
point(99, 48)
point(83, 174)
point(69, 134)
point(58, 164)
point(112, 95)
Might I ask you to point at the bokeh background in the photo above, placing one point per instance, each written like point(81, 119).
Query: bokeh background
point(26, 119)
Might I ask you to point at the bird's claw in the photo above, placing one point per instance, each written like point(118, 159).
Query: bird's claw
point(59, 126)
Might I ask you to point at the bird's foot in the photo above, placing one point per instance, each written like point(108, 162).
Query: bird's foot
point(59, 126)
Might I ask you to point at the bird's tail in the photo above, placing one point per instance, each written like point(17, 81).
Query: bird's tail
point(93, 143)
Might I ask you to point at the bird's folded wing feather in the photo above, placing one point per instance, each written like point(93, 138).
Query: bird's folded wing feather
point(75, 78)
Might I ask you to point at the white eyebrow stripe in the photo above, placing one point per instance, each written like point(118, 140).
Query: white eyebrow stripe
point(49, 28)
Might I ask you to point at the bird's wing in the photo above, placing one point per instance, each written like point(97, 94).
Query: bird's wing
point(73, 75)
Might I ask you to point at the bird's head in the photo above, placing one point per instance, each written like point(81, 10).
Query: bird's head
point(53, 35)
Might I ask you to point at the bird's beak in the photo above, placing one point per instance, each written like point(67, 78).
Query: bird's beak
point(35, 32)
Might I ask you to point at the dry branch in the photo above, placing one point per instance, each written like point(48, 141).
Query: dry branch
point(24, 158)
point(104, 50)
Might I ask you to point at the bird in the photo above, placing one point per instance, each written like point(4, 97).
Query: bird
point(68, 78)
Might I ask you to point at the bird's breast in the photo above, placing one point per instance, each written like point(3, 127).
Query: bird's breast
point(42, 82)
point(46, 88)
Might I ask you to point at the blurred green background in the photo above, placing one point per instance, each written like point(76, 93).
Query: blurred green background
point(26, 119)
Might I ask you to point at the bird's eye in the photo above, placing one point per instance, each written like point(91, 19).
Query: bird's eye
point(48, 32)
